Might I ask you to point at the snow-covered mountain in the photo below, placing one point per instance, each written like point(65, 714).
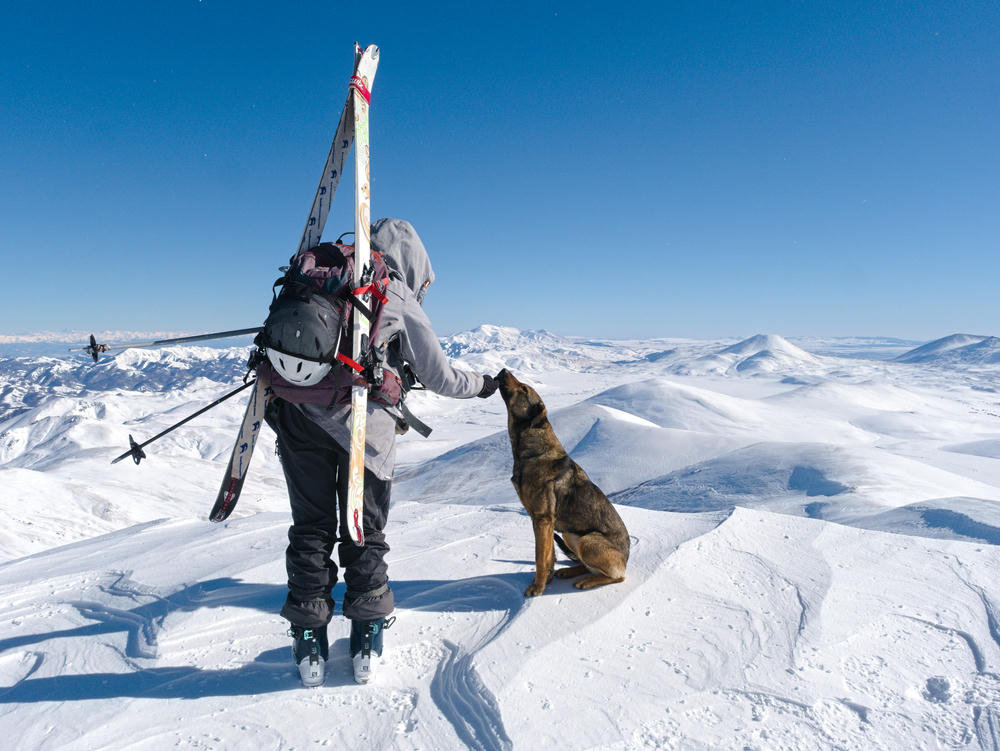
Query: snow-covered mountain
point(490, 348)
point(957, 349)
point(26, 382)
point(759, 355)
point(815, 558)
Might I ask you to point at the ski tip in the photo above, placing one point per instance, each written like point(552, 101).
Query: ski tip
point(226, 501)
point(370, 51)
point(219, 514)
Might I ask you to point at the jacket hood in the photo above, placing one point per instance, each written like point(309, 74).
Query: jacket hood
point(404, 254)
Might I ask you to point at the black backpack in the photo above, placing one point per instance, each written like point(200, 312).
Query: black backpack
point(318, 297)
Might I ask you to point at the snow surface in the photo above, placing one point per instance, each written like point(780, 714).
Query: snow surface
point(815, 558)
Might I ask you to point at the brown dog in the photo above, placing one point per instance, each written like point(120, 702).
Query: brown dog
point(559, 496)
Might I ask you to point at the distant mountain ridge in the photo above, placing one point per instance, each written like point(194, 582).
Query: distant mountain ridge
point(26, 381)
point(81, 337)
point(489, 348)
point(965, 349)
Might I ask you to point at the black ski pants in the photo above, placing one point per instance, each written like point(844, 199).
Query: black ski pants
point(316, 470)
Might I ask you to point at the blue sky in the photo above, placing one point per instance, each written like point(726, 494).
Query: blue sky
point(647, 169)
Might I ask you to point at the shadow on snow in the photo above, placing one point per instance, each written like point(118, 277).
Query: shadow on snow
point(271, 671)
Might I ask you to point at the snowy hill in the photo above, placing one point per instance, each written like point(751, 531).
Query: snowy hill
point(957, 349)
point(759, 355)
point(816, 558)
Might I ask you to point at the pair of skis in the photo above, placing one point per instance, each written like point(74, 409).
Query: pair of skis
point(353, 126)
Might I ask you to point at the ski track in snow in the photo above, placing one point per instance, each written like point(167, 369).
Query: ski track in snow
point(469, 706)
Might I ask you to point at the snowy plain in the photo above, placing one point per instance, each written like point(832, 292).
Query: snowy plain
point(815, 555)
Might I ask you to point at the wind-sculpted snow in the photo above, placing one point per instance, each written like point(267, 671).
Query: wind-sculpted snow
point(617, 449)
point(752, 628)
point(669, 404)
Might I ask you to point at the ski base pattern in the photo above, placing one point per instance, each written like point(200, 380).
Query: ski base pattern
point(239, 460)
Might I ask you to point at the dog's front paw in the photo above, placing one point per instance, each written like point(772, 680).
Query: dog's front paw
point(534, 590)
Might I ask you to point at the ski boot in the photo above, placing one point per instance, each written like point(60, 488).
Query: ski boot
point(366, 646)
point(310, 652)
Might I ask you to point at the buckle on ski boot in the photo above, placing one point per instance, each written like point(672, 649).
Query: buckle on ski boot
point(366, 646)
point(310, 652)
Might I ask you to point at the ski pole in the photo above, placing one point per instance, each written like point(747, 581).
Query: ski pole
point(136, 449)
point(95, 349)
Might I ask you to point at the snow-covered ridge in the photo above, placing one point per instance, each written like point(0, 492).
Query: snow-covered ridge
point(26, 382)
point(957, 349)
point(760, 354)
point(489, 348)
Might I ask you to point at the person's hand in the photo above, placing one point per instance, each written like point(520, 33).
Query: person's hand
point(489, 387)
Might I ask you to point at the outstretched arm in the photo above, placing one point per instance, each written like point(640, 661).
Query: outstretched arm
point(422, 350)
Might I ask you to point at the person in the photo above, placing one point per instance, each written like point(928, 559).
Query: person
point(313, 442)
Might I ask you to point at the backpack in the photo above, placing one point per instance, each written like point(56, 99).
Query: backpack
point(318, 285)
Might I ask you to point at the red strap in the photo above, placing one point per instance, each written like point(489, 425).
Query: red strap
point(358, 84)
point(374, 288)
point(349, 362)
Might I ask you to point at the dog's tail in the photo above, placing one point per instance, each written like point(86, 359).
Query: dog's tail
point(565, 549)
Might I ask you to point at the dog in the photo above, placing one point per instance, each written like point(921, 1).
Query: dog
point(559, 497)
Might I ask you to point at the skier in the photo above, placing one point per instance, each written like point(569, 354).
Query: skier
point(314, 441)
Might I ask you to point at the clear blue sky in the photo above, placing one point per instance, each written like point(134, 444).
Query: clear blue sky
point(609, 169)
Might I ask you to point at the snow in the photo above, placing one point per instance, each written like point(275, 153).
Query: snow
point(815, 557)
point(957, 348)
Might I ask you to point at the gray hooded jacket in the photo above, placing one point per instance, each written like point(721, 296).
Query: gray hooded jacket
point(402, 318)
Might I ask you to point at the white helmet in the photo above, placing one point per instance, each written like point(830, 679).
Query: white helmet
point(301, 337)
point(297, 370)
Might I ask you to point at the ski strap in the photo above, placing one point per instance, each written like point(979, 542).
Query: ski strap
point(341, 357)
point(376, 288)
point(413, 421)
point(358, 84)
